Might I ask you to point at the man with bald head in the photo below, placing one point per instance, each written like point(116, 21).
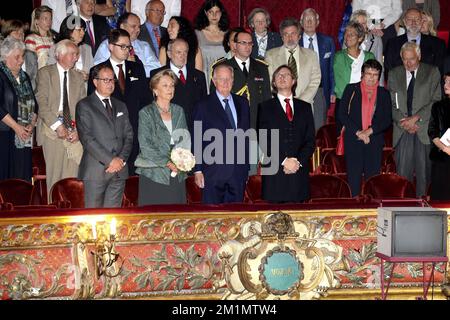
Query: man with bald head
point(414, 87)
point(151, 31)
point(432, 48)
point(58, 89)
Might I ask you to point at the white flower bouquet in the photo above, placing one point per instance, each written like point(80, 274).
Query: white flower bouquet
point(183, 159)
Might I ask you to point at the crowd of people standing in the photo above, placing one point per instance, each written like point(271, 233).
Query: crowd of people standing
point(113, 86)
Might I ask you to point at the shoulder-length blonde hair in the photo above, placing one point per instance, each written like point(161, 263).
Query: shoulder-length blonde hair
point(36, 15)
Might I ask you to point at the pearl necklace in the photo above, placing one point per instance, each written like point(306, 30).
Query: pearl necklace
point(162, 110)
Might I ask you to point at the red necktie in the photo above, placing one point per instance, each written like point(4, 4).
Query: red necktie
point(88, 23)
point(288, 110)
point(158, 38)
point(121, 78)
point(182, 78)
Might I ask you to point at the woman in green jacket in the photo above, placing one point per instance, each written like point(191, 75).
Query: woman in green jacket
point(348, 62)
point(162, 126)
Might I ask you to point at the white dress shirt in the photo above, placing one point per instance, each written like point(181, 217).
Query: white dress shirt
point(288, 54)
point(409, 76)
point(176, 70)
point(241, 66)
point(306, 37)
point(173, 8)
point(116, 68)
point(283, 103)
point(388, 10)
point(61, 70)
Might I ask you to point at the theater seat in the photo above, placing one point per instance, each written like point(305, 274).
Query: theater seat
point(68, 193)
point(131, 193)
point(326, 137)
point(389, 186)
point(253, 190)
point(328, 186)
point(18, 192)
point(193, 193)
point(388, 164)
point(334, 164)
point(39, 173)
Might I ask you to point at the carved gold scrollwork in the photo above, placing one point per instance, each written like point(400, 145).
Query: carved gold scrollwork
point(355, 226)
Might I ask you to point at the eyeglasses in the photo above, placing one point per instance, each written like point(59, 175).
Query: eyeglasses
point(161, 12)
point(283, 75)
point(123, 46)
point(107, 80)
point(245, 43)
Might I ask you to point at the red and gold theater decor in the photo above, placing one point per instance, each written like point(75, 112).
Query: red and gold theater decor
point(224, 254)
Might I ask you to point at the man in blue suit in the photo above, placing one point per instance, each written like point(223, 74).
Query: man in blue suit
point(324, 47)
point(220, 147)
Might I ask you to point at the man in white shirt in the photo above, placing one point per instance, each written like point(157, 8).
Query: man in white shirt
point(141, 51)
point(173, 8)
point(59, 88)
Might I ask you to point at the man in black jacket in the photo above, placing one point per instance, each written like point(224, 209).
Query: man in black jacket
point(190, 90)
point(432, 48)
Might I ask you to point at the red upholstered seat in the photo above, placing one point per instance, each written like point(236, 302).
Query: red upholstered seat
point(39, 173)
point(388, 164)
point(333, 163)
point(68, 193)
point(131, 193)
point(326, 136)
point(443, 34)
point(328, 186)
point(193, 193)
point(388, 135)
point(253, 191)
point(389, 185)
point(18, 192)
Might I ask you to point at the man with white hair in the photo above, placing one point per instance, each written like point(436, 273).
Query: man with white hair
point(172, 8)
point(58, 89)
point(324, 48)
point(432, 48)
point(382, 13)
point(414, 87)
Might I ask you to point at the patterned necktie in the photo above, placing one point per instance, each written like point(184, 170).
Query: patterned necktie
point(229, 113)
point(244, 69)
point(157, 36)
point(182, 78)
point(66, 111)
point(91, 36)
point(311, 46)
point(289, 114)
point(292, 63)
point(121, 78)
point(69, 8)
point(410, 94)
point(262, 46)
point(108, 108)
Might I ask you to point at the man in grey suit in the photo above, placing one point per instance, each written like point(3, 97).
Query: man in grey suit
point(107, 137)
point(414, 87)
point(151, 31)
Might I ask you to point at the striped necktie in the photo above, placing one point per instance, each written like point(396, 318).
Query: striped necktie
point(292, 63)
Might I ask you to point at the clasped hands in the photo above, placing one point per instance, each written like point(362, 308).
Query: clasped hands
point(63, 133)
point(409, 124)
point(115, 165)
point(291, 166)
point(364, 135)
point(24, 133)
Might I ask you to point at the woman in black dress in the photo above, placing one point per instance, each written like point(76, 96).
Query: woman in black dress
point(440, 150)
point(18, 112)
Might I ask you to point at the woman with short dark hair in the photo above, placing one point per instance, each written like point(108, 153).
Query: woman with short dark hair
point(366, 113)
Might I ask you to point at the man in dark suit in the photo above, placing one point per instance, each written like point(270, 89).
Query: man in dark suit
point(151, 31)
point(222, 165)
point(414, 87)
point(285, 173)
point(107, 137)
point(97, 28)
point(432, 48)
point(131, 87)
point(263, 39)
point(191, 86)
point(323, 46)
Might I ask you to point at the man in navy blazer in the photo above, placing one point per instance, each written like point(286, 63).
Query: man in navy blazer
point(135, 92)
point(324, 47)
point(222, 165)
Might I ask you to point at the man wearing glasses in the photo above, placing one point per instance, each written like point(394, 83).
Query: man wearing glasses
point(131, 87)
point(151, 31)
point(107, 138)
point(141, 51)
point(173, 8)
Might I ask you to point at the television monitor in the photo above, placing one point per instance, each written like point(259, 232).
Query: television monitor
point(412, 232)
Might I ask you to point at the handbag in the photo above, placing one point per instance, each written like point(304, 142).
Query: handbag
point(340, 147)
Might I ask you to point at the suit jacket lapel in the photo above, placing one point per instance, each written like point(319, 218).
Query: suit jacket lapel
point(101, 107)
point(219, 108)
point(54, 79)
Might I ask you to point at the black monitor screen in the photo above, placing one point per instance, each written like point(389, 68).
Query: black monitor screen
point(418, 235)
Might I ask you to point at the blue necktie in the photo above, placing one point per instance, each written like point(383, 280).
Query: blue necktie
point(229, 113)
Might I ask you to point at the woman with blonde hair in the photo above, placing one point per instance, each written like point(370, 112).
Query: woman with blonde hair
point(428, 24)
point(41, 38)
